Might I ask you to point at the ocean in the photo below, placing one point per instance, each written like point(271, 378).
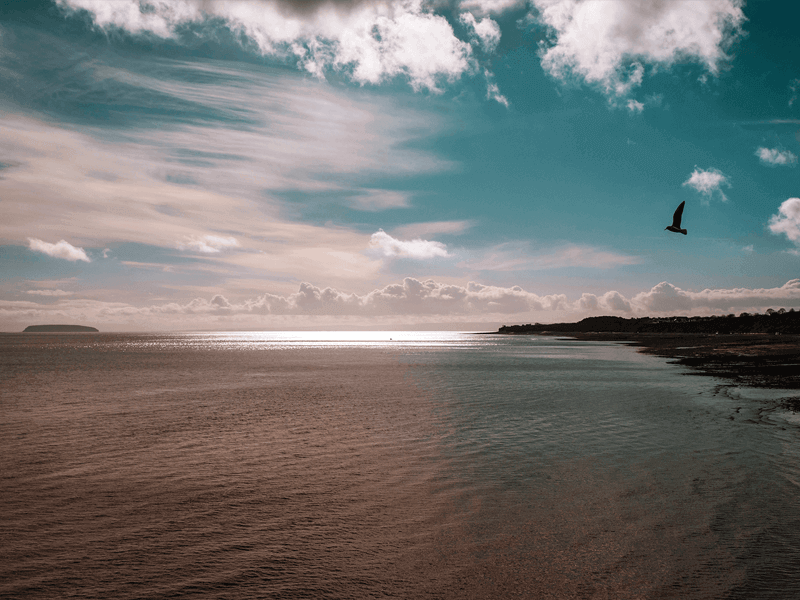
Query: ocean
point(387, 464)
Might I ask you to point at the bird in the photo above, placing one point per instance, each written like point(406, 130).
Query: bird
point(676, 220)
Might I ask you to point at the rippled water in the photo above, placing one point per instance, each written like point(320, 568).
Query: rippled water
point(414, 465)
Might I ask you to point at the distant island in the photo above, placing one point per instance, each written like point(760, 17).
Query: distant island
point(772, 322)
point(59, 329)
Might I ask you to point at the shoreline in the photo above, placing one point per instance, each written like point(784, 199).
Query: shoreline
point(754, 360)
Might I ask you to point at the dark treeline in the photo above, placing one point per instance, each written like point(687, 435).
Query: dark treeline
point(773, 321)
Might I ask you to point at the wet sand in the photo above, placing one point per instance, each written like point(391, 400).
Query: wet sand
point(758, 359)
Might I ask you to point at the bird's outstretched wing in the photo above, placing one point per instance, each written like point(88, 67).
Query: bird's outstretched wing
point(676, 218)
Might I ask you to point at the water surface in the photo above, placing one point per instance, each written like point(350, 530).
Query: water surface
point(406, 464)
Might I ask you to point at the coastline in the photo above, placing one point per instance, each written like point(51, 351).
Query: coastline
point(753, 359)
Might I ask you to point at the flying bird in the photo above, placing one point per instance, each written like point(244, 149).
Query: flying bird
point(676, 220)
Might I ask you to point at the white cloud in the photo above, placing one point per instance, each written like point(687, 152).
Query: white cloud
point(371, 41)
point(787, 221)
point(418, 248)
point(208, 244)
point(667, 298)
point(411, 300)
point(707, 182)
point(774, 157)
point(486, 31)
point(612, 301)
point(634, 106)
point(608, 43)
point(62, 249)
point(411, 297)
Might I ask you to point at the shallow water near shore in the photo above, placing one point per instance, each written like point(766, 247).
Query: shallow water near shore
point(406, 464)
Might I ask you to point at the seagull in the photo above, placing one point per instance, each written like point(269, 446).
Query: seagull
point(676, 220)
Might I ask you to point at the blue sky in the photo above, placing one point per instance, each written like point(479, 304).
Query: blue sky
point(187, 164)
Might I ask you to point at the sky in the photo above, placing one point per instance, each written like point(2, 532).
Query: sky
point(263, 164)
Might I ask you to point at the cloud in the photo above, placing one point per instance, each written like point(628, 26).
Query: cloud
point(493, 90)
point(634, 106)
point(418, 248)
point(611, 301)
point(707, 182)
point(608, 44)
point(53, 293)
point(62, 249)
point(309, 139)
point(517, 256)
point(417, 230)
point(412, 299)
point(787, 221)
point(667, 298)
point(369, 41)
point(208, 244)
point(486, 31)
point(375, 199)
point(774, 157)
point(794, 86)
point(483, 7)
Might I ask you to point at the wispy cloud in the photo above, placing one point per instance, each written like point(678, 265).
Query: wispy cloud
point(787, 221)
point(51, 293)
point(609, 44)
point(774, 157)
point(62, 249)
point(305, 137)
point(518, 256)
point(707, 182)
point(417, 249)
point(794, 86)
point(418, 230)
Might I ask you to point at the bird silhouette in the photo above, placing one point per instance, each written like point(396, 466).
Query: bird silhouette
point(676, 220)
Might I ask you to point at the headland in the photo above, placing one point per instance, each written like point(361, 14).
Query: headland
point(751, 349)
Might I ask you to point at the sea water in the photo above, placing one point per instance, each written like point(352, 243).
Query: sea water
point(399, 464)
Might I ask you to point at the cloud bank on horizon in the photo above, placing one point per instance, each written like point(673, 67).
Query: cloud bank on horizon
point(247, 163)
point(422, 301)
